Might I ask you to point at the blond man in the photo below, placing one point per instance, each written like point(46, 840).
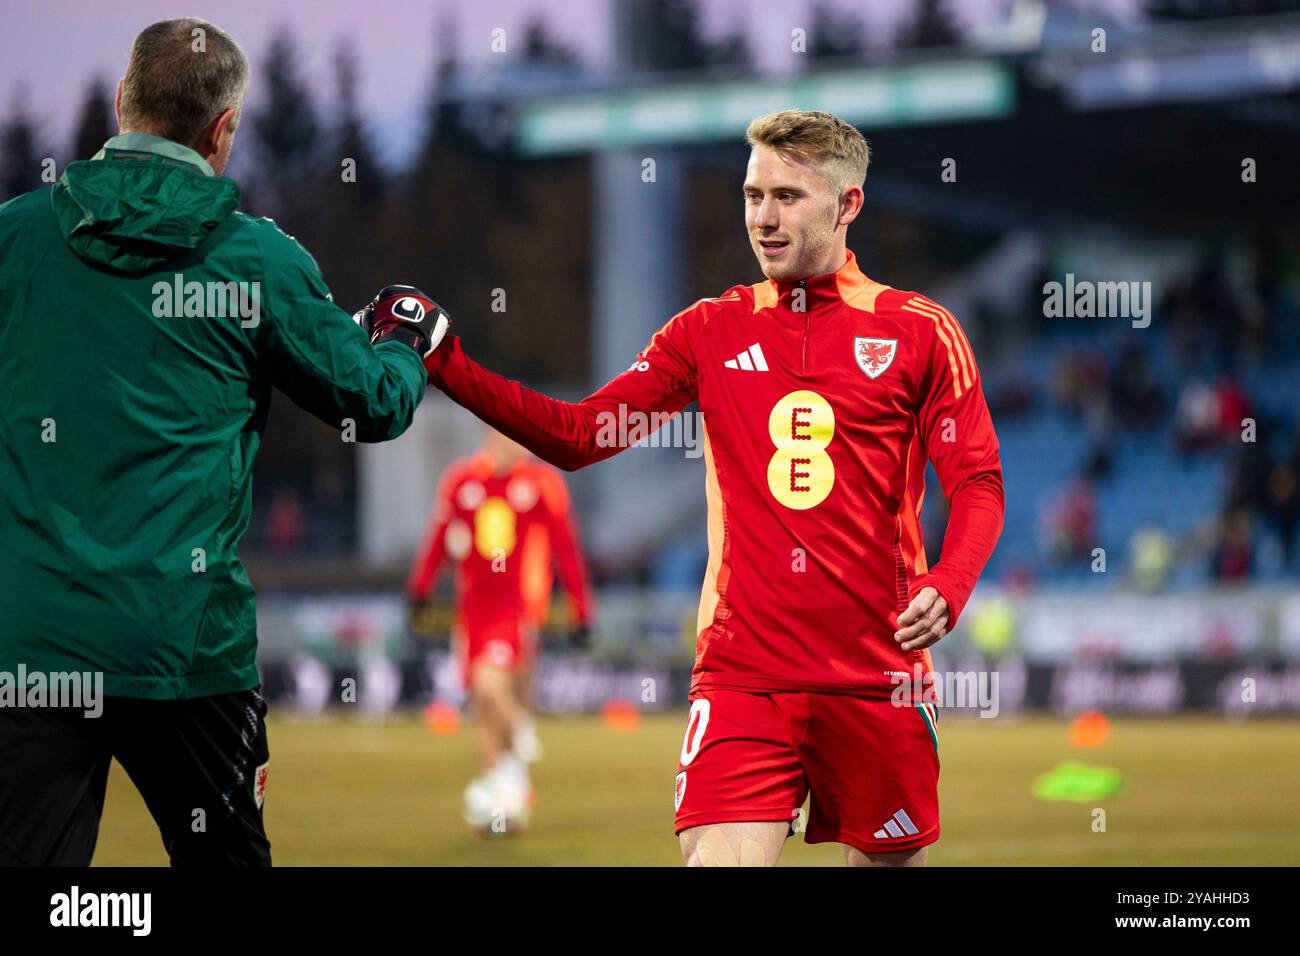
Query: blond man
point(823, 393)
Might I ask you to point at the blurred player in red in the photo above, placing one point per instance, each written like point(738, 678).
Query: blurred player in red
point(503, 517)
point(823, 393)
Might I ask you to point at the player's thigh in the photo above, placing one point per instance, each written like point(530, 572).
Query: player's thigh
point(529, 641)
point(737, 766)
point(201, 766)
point(490, 682)
point(855, 857)
point(734, 844)
point(873, 769)
point(496, 647)
point(53, 775)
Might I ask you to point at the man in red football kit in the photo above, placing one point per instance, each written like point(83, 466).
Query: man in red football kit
point(823, 393)
point(503, 518)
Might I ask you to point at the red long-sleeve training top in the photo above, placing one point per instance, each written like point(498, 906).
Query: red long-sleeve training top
point(504, 529)
point(821, 400)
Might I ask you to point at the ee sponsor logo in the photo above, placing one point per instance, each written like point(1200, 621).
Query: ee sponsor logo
point(494, 528)
point(801, 474)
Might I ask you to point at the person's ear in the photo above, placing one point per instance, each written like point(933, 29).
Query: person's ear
point(117, 103)
point(850, 204)
point(212, 138)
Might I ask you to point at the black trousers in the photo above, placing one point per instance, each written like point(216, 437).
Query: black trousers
point(199, 764)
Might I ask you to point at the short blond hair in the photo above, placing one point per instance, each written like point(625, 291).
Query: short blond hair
point(841, 150)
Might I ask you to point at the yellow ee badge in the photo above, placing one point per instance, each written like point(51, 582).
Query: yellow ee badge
point(801, 474)
point(494, 529)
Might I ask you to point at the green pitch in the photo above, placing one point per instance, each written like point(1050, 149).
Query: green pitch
point(348, 792)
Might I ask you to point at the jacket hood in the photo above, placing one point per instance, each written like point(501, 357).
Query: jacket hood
point(139, 202)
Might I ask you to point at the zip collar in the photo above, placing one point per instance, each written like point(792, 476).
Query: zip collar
point(847, 285)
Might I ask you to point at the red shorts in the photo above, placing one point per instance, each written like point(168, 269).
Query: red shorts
point(872, 767)
point(508, 643)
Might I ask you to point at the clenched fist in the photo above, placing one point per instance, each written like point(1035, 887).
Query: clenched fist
point(405, 314)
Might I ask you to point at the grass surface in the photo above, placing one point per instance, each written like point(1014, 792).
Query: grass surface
point(346, 792)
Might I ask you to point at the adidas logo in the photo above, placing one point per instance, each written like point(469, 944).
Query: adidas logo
point(900, 824)
point(751, 360)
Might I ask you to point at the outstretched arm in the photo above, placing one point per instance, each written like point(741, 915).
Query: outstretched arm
point(572, 435)
point(315, 353)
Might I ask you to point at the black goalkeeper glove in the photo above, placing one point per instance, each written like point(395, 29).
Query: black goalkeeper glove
point(422, 617)
point(403, 313)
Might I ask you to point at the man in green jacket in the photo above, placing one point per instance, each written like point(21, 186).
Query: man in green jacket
point(143, 323)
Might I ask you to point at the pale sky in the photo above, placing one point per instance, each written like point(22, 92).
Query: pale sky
point(50, 49)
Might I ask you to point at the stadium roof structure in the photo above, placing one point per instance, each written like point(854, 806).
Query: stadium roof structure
point(704, 111)
point(1035, 107)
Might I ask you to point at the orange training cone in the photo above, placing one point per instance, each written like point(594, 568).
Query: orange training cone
point(441, 719)
point(620, 716)
point(1089, 729)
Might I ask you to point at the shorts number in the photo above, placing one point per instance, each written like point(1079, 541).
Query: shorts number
point(698, 720)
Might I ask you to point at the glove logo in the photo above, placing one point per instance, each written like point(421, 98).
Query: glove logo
point(408, 309)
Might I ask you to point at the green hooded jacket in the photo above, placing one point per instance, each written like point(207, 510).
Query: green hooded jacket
point(143, 323)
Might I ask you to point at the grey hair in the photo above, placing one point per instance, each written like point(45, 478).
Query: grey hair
point(182, 75)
